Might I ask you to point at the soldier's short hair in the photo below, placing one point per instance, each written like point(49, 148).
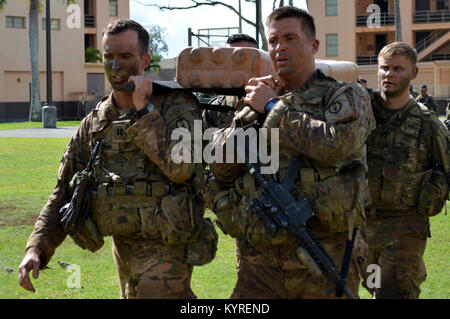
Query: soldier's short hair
point(122, 25)
point(238, 37)
point(307, 21)
point(399, 48)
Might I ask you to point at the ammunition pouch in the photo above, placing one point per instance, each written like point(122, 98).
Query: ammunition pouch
point(338, 201)
point(236, 218)
point(226, 207)
point(213, 187)
point(204, 249)
point(87, 235)
point(392, 189)
point(433, 194)
point(180, 217)
point(172, 218)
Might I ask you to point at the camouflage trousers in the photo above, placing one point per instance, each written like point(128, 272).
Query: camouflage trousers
point(272, 272)
point(397, 244)
point(150, 270)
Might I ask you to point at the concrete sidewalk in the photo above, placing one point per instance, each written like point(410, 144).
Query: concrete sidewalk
point(63, 132)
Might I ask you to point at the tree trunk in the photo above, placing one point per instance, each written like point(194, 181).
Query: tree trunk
point(398, 23)
point(35, 105)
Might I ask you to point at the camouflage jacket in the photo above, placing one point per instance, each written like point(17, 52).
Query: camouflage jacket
point(326, 124)
point(152, 133)
point(405, 147)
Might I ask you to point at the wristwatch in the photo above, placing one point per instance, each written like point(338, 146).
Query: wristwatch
point(269, 105)
point(148, 108)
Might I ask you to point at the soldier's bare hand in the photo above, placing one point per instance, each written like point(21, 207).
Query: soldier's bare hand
point(259, 92)
point(142, 92)
point(268, 80)
point(31, 261)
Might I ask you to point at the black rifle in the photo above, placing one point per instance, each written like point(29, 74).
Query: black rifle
point(278, 208)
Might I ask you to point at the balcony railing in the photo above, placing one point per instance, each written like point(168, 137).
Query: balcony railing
point(385, 19)
point(89, 21)
point(437, 16)
point(433, 37)
point(437, 57)
point(366, 60)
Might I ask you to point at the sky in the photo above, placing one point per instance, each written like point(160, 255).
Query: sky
point(177, 22)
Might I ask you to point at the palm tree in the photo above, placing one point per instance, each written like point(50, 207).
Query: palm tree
point(33, 41)
point(34, 8)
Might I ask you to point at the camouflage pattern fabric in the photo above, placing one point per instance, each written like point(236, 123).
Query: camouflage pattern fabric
point(325, 123)
point(397, 244)
point(136, 152)
point(217, 119)
point(149, 270)
point(405, 148)
point(220, 119)
point(283, 276)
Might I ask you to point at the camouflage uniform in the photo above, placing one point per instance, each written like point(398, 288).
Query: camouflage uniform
point(428, 101)
point(408, 155)
point(325, 123)
point(150, 205)
point(217, 119)
point(220, 119)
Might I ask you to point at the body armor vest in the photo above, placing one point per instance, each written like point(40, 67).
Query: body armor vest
point(121, 165)
point(397, 158)
point(337, 194)
point(129, 186)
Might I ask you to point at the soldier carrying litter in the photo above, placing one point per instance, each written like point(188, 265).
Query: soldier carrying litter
point(150, 205)
point(323, 122)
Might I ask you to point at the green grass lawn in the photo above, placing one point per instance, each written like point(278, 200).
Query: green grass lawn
point(22, 125)
point(28, 170)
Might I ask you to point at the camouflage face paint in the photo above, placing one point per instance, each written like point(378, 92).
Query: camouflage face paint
point(122, 57)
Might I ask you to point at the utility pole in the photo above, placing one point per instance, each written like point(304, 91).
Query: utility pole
point(48, 51)
point(240, 19)
point(258, 5)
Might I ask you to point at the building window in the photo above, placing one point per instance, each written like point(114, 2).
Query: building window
point(332, 45)
point(54, 24)
point(15, 22)
point(331, 8)
point(113, 10)
point(442, 4)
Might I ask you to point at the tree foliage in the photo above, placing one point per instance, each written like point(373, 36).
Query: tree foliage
point(157, 46)
point(198, 3)
point(2, 4)
point(92, 55)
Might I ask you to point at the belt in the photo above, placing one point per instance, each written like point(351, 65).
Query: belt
point(139, 188)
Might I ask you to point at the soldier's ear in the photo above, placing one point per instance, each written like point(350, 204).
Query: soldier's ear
point(146, 58)
point(415, 72)
point(315, 46)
